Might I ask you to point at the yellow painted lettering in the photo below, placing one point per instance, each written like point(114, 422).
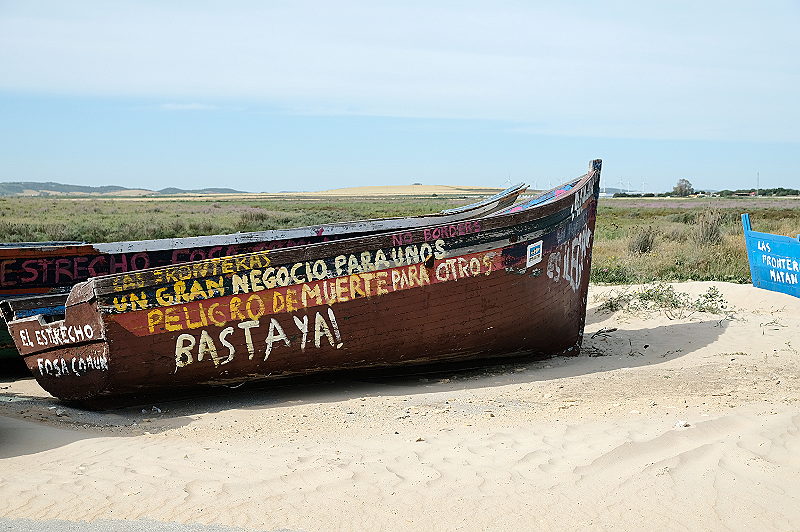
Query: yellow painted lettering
point(213, 313)
point(172, 322)
point(163, 297)
point(355, 287)
point(367, 278)
point(215, 288)
point(197, 292)
point(154, 317)
point(255, 307)
point(189, 323)
point(278, 302)
point(341, 289)
point(121, 304)
point(291, 300)
point(235, 312)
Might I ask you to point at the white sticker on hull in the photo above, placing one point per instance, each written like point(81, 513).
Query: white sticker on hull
point(534, 254)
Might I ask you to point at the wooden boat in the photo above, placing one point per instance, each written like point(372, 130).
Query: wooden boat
point(774, 260)
point(504, 285)
point(48, 267)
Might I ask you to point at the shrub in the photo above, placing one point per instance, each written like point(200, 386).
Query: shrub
point(643, 240)
point(683, 217)
point(709, 228)
point(612, 274)
point(664, 298)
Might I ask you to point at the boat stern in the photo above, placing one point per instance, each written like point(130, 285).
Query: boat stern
point(69, 356)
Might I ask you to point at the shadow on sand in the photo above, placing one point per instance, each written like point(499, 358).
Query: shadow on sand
point(19, 437)
point(621, 348)
point(601, 352)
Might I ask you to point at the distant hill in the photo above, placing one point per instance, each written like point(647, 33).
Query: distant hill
point(26, 188)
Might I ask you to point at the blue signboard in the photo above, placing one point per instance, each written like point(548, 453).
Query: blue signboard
point(774, 260)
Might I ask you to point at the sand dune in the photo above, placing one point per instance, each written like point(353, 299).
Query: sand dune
point(670, 424)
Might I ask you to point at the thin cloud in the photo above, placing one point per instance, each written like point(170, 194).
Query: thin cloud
point(187, 107)
point(704, 71)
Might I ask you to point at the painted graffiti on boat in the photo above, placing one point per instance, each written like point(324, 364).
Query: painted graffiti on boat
point(46, 272)
point(55, 336)
point(244, 306)
point(568, 261)
point(377, 300)
point(235, 281)
point(319, 329)
point(781, 269)
point(72, 366)
point(774, 260)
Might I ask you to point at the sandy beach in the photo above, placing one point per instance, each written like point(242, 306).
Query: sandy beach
point(662, 422)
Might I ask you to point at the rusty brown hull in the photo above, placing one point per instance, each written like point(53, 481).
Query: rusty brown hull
point(516, 286)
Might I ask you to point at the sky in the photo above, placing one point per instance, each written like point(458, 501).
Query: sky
point(303, 95)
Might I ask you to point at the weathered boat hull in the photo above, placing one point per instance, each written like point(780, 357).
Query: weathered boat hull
point(774, 260)
point(514, 284)
point(46, 305)
point(41, 268)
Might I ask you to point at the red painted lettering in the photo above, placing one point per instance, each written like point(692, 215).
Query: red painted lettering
point(63, 268)
point(118, 264)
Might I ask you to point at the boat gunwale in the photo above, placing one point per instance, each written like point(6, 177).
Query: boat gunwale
point(103, 285)
point(748, 230)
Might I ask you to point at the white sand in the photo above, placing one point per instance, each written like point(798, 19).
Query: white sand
point(567, 443)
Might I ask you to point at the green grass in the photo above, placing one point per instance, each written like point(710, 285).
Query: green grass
point(109, 220)
point(636, 240)
point(640, 242)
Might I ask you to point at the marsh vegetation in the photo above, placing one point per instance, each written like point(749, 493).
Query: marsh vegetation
point(636, 240)
point(110, 220)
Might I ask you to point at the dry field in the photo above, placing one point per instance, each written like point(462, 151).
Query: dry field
point(109, 220)
point(637, 239)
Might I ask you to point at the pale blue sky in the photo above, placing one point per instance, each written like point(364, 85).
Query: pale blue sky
point(294, 95)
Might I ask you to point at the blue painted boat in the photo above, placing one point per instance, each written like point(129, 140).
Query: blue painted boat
point(774, 260)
